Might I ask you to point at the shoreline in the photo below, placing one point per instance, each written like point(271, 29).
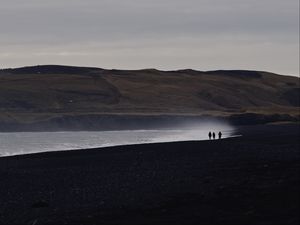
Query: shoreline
point(239, 131)
point(69, 141)
point(115, 146)
point(253, 179)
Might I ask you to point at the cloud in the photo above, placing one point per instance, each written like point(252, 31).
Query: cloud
point(249, 33)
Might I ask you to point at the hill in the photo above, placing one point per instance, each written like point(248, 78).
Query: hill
point(63, 97)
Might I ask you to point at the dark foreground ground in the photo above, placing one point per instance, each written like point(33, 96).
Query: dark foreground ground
point(252, 179)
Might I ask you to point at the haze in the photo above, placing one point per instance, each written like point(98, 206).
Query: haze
point(162, 34)
point(33, 142)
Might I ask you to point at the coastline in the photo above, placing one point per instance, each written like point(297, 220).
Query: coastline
point(252, 179)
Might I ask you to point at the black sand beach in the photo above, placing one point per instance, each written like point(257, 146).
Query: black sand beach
point(252, 179)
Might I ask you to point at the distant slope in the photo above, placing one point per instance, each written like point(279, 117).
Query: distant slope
point(43, 93)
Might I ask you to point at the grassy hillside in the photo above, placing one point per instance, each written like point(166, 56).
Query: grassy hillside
point(42, 93)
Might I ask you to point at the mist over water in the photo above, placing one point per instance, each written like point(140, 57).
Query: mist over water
point(33, 142)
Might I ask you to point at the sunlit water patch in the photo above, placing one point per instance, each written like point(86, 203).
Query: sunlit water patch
point(33, 142)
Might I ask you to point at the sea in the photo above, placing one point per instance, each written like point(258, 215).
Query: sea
point(17, 143)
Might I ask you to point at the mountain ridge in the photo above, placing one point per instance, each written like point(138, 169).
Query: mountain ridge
point(60, 69)
point(44, 93)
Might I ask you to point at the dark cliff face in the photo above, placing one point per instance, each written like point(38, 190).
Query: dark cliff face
point(43, 93)
point(292, 96)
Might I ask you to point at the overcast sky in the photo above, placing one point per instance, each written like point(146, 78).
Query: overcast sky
point(162, 34)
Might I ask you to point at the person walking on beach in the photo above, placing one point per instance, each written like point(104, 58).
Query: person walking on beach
point(209, 135)
point(220, 135)
point(214, 135)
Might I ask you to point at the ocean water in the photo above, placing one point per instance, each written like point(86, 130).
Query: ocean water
point(33, 142)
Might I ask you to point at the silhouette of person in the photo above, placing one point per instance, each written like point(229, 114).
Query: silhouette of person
point(214, 135)
point(220, 135)
point(209, 135)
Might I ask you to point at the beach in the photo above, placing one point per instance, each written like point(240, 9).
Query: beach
point(251, 179)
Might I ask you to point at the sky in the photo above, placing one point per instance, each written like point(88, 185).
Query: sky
point(162, 34)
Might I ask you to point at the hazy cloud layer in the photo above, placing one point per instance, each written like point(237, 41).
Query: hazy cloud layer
point(163, 34)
